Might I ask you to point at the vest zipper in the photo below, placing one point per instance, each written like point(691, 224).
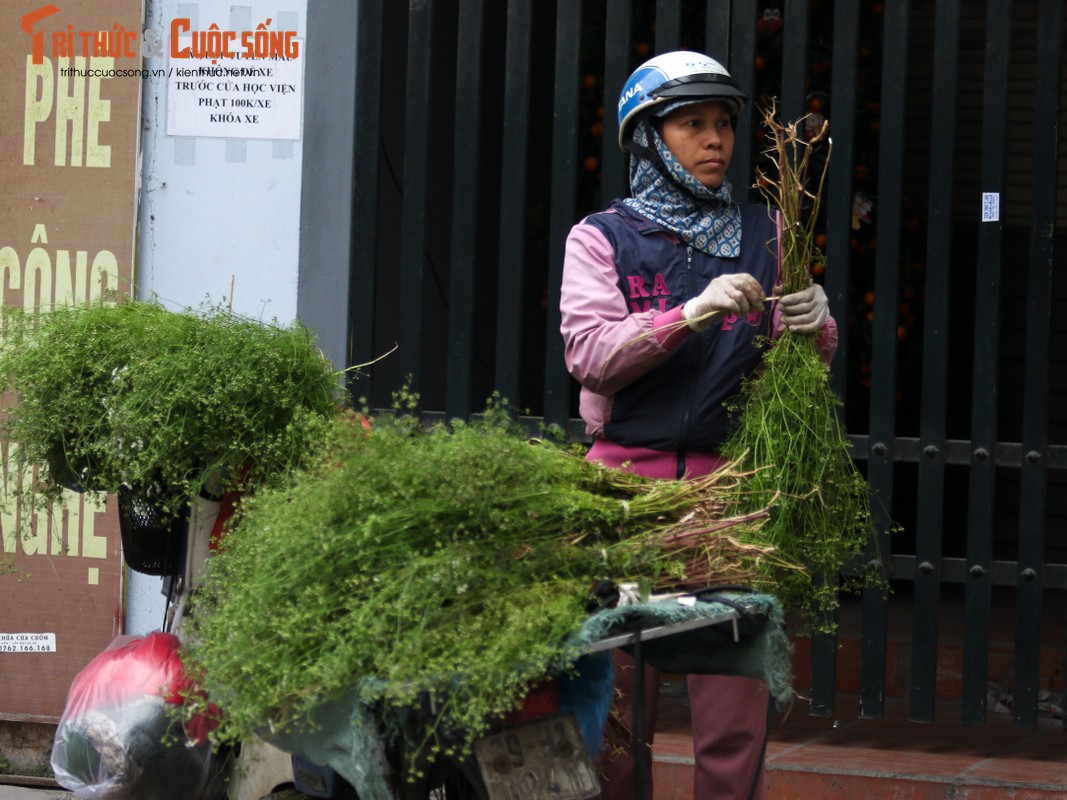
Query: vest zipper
point(683, 433)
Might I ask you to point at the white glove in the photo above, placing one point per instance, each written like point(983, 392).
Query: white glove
point(737, 294)
point(805, 311)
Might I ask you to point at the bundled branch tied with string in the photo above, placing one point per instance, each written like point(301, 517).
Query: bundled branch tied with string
point(788, 430)
point(380, 566)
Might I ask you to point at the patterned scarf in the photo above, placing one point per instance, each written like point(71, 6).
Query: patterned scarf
point(669, 195)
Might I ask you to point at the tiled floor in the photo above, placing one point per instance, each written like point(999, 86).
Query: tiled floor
point(812, 758)
point(848, 758)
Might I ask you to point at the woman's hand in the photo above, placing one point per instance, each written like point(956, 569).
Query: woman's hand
point(805, 311)
point(737, 294)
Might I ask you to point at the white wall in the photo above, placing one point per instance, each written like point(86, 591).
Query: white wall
point(214, 212)
point(215, 209)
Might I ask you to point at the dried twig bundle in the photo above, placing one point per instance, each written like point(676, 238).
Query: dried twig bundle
point(792, 153)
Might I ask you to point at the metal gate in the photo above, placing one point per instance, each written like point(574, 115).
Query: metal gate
point(483, 130)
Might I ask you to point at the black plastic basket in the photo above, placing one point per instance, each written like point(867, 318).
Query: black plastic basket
point(153, 540)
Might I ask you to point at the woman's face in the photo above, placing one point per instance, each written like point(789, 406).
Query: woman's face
point(702, 139)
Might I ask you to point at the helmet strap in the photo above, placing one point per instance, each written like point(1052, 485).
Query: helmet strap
point(641, 150)
point(645, 152)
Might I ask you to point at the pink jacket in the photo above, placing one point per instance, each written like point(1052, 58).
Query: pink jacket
point(608, 344)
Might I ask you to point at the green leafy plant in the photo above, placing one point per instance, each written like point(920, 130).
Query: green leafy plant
point(789, 433)
point(43, 770)
point(450, 562)
point(130, 394)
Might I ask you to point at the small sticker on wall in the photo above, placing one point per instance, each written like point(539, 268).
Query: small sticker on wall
point(27, 643)
point(990, 206)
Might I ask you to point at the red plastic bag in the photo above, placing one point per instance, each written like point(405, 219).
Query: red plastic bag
point(120, 737)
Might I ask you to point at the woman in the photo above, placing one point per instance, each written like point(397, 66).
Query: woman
point(664, 295)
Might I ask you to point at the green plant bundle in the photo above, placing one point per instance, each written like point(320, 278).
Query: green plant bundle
point(451, 562)
point(134, 395)
point(789, 432)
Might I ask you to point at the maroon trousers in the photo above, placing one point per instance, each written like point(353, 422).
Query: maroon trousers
point(729, 716)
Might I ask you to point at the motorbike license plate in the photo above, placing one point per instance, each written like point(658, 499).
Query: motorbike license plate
point(544, 760)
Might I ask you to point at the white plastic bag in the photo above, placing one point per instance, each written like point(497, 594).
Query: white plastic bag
point(119, 737)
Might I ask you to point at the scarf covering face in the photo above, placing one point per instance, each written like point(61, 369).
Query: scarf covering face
point(669, 195)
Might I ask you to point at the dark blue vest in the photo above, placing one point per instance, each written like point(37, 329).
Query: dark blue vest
point(678, 406)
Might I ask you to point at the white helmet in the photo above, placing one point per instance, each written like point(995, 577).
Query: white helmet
point(680, 74)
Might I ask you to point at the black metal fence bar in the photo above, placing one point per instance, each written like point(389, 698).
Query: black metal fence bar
point(614, 181)
point(564, 184)
point(931, 471)
point(795, 59)
point(839, 186)
point(883, 360)
point(838, 227)
point(513, 175)
point(364, 249)
point(668, 25)
point(1032, 501)
point(742, 60)
point(717, 30)
point(980, 528)
point(413, 217)
point(731, 36)
point(1001, 573)
point(464, 209)
point(909, 449)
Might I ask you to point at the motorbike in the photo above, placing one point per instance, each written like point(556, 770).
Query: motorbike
point(539, 744)
point(542, 751)
point(537, 751)
point(546, 749)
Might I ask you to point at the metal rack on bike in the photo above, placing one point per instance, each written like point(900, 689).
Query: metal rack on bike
point(734, 616)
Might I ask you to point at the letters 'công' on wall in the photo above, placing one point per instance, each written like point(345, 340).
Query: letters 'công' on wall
point(68, 169)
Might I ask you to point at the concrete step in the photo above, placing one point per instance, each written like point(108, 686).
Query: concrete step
point(849, 757)
point(8, 792)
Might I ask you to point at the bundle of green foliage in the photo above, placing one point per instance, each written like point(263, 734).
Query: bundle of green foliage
point(789, 432)
point(132, 395)
point(452, 561)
